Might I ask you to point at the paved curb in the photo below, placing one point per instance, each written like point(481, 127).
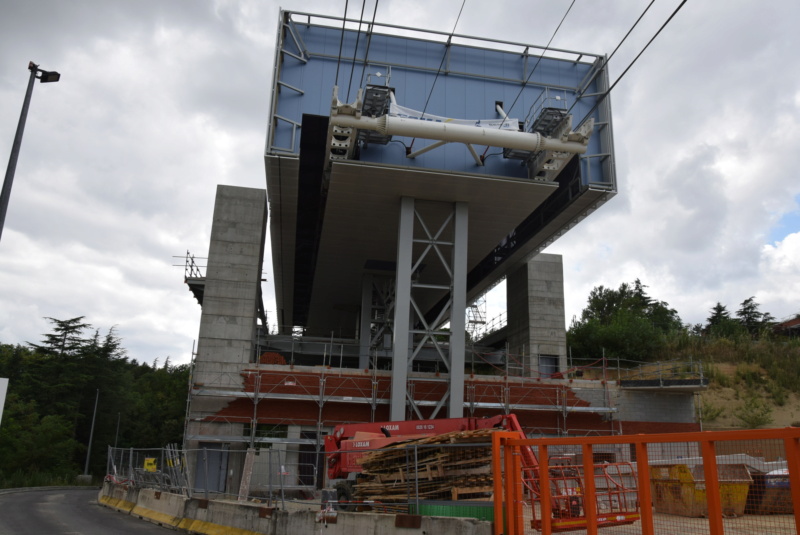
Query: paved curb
point(37, 489)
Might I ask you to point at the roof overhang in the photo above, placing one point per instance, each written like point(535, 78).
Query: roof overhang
point(361, 224)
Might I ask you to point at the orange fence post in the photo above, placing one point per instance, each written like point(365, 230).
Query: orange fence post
point(709, 452)
point(589, 491)
point(545, 509)
point(517, 491)
point(643, 488)
point(510, 479)
point(497, 479)
point(497, 483)
point(792, 446)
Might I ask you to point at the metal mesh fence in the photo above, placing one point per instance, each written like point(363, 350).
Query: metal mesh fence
point(728, 482)
point(432, 476)
point(161, 468)
point(267, 475)
point(694, 483)
point(274, 474)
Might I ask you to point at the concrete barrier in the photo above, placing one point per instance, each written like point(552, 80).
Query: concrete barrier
point(212, 517)
point(160, 508)
point(287, 523)
point(120, 497)
point(462, 526)
point(209, 518)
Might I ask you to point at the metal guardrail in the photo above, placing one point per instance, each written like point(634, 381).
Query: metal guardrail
point(191, 269)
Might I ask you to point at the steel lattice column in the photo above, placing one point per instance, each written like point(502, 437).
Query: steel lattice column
point(377, 307)
point(408, 341)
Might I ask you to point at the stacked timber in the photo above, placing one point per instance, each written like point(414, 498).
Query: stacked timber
point(451, 466)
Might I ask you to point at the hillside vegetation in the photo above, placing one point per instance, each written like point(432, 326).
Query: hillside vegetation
point(52, 390)
point(754, 376)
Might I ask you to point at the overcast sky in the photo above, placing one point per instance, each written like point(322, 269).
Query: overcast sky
point(159, 101)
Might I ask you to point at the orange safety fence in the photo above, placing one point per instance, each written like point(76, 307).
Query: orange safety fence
point(735, 482)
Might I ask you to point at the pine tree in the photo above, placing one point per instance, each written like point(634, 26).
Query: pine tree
point(65, 341)
point(751, 318)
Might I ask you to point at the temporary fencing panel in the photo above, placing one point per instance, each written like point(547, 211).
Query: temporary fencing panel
point(743, 482)
point(694, 483)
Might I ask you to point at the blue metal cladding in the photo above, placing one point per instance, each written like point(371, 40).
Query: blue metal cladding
point(460, 81)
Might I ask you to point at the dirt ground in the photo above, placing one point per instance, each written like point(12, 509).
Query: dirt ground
point(731, 398)
point(745, 525)
point(664, 524)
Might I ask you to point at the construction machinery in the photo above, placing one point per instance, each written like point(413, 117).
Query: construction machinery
point(348, 445)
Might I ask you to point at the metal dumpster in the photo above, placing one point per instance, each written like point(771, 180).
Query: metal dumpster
point(772, 494)
point(680, 490)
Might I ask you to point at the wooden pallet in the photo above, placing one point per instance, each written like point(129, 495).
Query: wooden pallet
point(429, 468)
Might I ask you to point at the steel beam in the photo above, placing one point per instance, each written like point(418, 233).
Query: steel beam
point(402, 310)
point(458, 311)
point(364, 334)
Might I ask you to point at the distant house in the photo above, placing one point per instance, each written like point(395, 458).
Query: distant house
point(788, 328)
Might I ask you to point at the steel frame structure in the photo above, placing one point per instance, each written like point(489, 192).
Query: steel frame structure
point(412, 330)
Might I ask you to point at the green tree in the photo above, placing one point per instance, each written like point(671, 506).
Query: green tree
point(52, 390)
point(12, 361)
point(751, 318)
point(65, 340)
point(159, 406)
point(625, 323)
point(605, 305)
point(720, 324)
point(719, 313)
point(30, 442)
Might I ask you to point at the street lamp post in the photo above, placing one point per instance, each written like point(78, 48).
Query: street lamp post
point(44, 77)
point(91, 434)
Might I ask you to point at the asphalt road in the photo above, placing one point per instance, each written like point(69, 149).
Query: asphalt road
point(66, 512)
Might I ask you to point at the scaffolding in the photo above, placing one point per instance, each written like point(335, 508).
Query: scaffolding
point(578, 401)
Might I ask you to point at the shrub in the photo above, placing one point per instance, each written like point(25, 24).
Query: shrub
point(715, 376)
point(750, 375)
point(710, 412)
point(778, 394)
point(754, 413)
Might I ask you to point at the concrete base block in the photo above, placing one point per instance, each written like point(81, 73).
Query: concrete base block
point(238, 518)
point(160, 508)
point(119, 497)
point(232, 518)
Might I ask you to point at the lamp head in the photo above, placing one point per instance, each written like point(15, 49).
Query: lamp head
point(44, 76)
point(49, 76)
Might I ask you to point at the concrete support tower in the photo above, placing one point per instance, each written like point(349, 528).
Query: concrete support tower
point(537, 337)
point(231, 298)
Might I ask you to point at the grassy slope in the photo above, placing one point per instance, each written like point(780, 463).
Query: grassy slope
point(745, 396)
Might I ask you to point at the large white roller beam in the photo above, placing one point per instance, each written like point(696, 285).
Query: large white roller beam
point(400, 126)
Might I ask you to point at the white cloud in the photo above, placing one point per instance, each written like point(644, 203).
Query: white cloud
point(159, 101)
point(780, 265)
